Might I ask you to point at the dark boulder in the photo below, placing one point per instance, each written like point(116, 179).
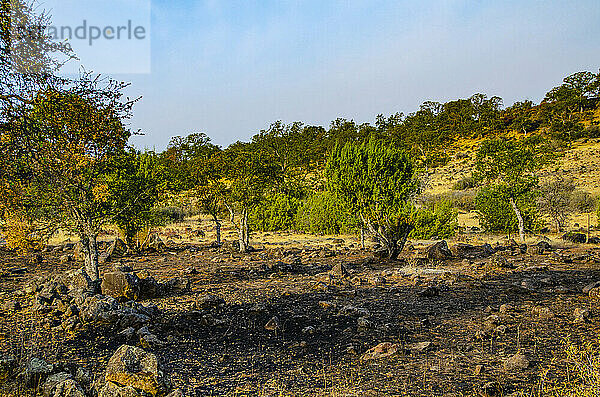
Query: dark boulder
point(439, 251)
point(468, 251)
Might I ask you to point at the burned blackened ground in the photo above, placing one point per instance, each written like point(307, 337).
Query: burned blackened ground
point(290, 322)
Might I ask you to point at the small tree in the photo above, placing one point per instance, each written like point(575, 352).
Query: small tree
point(135, 184)
point(497, 214)
point(555, 200)
point(509, 166)
point(210, 198)
point(56, 154)
point(249, 176)
point(584, 203)
point(375, 181)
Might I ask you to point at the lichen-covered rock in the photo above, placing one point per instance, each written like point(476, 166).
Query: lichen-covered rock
point(121, 285)
point(99, 309)
point(112, 390)
point(382, 350)
point(62, 385)
point(76, 279)
point(516, 363)
point(36, 372)
point(117, 249)
point(137, 369)
point(155, 243)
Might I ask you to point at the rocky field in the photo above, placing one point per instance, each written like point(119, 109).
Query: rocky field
point(300, 317)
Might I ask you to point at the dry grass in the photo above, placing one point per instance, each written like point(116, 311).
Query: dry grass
point(582, 377)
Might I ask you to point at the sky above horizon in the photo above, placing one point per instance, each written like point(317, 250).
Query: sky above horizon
point(231, 68)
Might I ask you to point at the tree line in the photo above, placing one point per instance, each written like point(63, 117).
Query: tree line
point(65, 161)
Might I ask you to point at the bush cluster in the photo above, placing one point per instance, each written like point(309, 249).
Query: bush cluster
point(438, 220)
point(497, 214)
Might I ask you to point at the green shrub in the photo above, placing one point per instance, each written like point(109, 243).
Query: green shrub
point(278, 212)
point(322, 213)
point(166, 215)
point(468, 182)
point(438, 220)
point(497, 214)
point(463, 200)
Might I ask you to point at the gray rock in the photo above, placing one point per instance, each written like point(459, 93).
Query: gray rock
point(120, 285)
point(36, 372)
point(62, 385)
point(210, 302)
point(468, 251)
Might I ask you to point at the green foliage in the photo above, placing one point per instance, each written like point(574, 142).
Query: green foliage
point(375, 180)
point(277, 212)
point(439, 220)
point(167, 215)
point(582, 201)
point(497, 215)
point(56, 158)
point(465, 183)
point(295, 150)
point(184, 160)
point(568, 106)
point(135, 184)
point(322, 213)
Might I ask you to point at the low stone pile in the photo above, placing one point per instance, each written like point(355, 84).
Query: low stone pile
point(70, 301)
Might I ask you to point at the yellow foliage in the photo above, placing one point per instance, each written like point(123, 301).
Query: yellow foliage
point(21, 233)
point(100, 191)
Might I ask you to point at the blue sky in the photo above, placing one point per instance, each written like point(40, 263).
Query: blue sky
point(230, 68)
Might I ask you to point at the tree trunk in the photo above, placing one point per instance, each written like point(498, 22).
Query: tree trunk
point(90, 251)
point(362, 237)
point(588, 228)
point(217, 229)
point(244, 238)
point(519, 218)
point(394, 244)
